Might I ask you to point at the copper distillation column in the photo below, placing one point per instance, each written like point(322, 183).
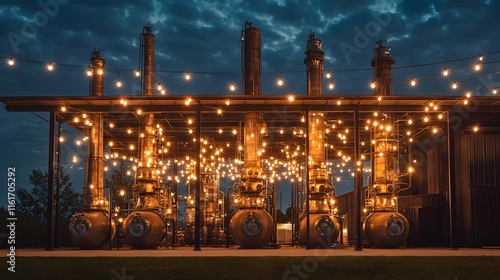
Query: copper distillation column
point(93, 228)
point(146, 227)
point(251, 226)
point(324, 225)
point(383, 226)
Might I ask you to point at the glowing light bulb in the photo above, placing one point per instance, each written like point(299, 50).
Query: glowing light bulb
point(454, 85)
point(481, 58)
point(227, 102)
point(89, 72)
point(234, 131)
point(139, 111)
point(190, 121)
point(11, 62)
point(477, 67)
point(137, 73)
point(280, 82)
point(468, 94)
point(372, 85)
point(63, 108)
point(328, 75)
point(118, 83)
point(187, 76)
point(476, 128)
point(331, 85)
point(426, 119)
point(291, 98)
point(495, 91)
point(379, 98)
point(100, 72)
point(163, 91)
point(446, 72)
point(159, 87)
point(413, 82)
point(219, 111)
point(435, 130)
point(50, 66)
point(232, 87)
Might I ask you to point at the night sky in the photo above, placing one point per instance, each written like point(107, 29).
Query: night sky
point(203, 38)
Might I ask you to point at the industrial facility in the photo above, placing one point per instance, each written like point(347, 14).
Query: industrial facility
point(423, 172)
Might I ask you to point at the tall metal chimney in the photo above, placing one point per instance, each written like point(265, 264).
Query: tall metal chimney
point(149, 60)
point(323, 226)
point(95, 180)
point(146, 226)
point(382, 63)
point(93, 228)
point(251, 226)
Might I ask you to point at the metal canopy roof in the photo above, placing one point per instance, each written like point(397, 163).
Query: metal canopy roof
point(278, 113)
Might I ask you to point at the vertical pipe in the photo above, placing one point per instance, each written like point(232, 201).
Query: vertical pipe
point(58, 188)
point(308, 218)
point(50, 185)
point(197, 215)
point(176, 191)
point(452, 185)
point(358, 183)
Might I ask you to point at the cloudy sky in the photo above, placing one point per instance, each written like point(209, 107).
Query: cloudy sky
point(203, 37)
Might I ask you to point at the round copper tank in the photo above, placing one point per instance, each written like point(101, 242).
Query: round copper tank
point(144, 229)
point(324, 229)
point(386, 229)
point(91, 229)
point(251, 228)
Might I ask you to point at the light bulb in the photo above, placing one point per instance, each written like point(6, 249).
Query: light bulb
point(372, 85)
point(280, 82)
point(137, 73)
point(495, 91)
point(50, 66)
point(413, 82)
point(328, 75)
point(477, 67)
point(159, 87)
point(187, 76)
point(11, 62)
point(232, 87)
point(476, 128)
point(100, 72)
point(331, 85)
point(118, 83)
point(89, 72)
point(454, 85)
point(445, 72)
point(291, 98)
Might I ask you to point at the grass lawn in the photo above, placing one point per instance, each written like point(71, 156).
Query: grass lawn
point(293, 268)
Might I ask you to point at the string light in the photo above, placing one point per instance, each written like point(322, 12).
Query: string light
point(118, 83)
point(372, 85)
point(187, 76)
point(159, 87)
point(291, 98)
point(11, 62)
point(477, 67)
point(89, 72)
point(476, 128)
point(328, 75)
point(50, 66)
point(137, 73)
point(445, 72)
point(454, 85)
point(331, 85)
point(232, 87)
point(413, 82)
point(280, 82)
point(495, 91)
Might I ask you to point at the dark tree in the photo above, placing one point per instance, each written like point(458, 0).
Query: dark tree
point(121, 184)
point(33, 203)
point(282, 218)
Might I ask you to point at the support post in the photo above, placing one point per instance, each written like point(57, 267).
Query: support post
point(197, 200)
point(358, 184)
point(50, 185)
point(308, 219)
point(452, 204)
